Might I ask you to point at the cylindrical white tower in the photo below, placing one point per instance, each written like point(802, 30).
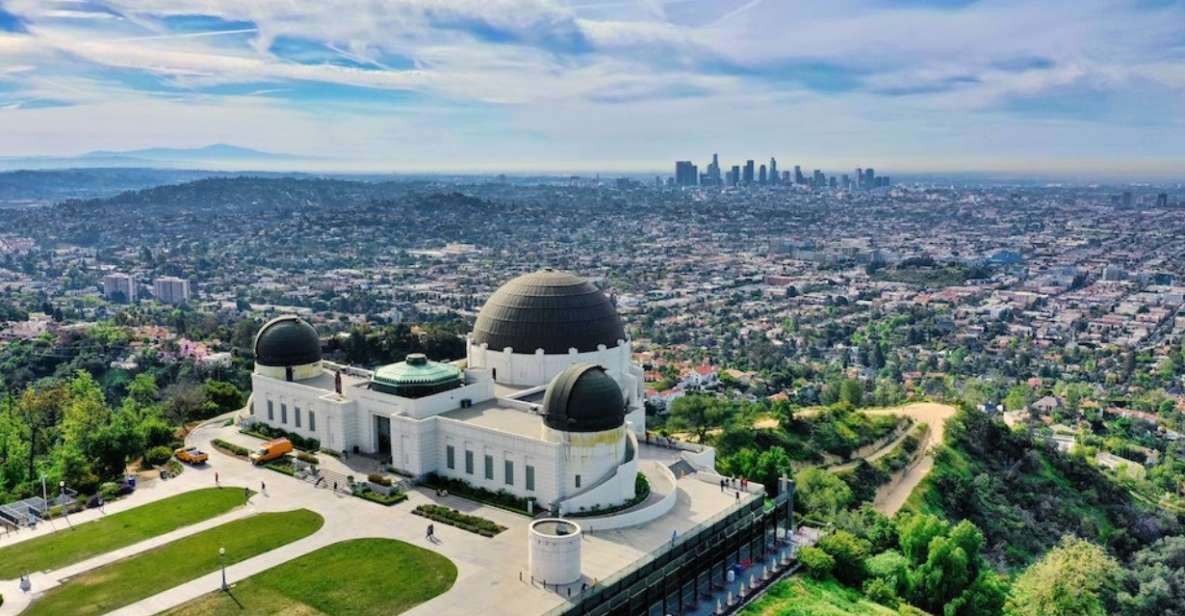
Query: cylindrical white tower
point(554, 551)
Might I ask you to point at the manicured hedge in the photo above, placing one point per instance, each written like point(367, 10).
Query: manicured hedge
point(375, 497)
point(458, 487)
point(464, 521)
point(382, 480)
point(230, 448)
point(266, 432)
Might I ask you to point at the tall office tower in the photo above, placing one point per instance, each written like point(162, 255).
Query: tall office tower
point(884, 180)
point(786, 179)
point(832, 182)
point(761, 177)
point(119, 287)
point(748, 179)
point(869, 178)
point(773, 170)
point(819, 180)
point(658, 181)
point(798, 179)
point(171, 290)
point(846, 182)
point(713, 175)
point(734, 175)
point(1128, 200)
point(859, 178)
point(1162, 200)
point(685, 173)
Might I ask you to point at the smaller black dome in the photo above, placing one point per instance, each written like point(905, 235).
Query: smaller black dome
point(583, 398)
point(287, 341)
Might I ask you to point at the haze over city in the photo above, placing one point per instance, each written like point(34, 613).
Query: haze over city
point(1076, 90)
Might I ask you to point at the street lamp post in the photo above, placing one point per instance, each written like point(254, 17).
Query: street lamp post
point(222, 560)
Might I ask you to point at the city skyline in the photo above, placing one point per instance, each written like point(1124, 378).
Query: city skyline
point(1037, 89)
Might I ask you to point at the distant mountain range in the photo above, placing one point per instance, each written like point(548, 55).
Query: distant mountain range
point(216, 156)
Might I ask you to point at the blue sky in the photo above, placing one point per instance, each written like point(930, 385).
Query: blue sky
point(1037, 87)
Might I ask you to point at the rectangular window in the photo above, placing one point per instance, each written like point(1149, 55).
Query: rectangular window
point(468, 462)
point(530, 470)
point(312, 422)
point(450, 457)
point(271, 411)
point(578, 481)
point(509, 470)
point(489, 467)
point(296, 415)
point(283, 413)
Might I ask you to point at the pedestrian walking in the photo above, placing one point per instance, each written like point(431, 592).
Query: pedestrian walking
point(430, 533)
point(216, 479)
point(263, 488)
point(738, 496)
point(246, 494)
point(721, 485)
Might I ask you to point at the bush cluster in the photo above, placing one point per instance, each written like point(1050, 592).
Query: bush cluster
point(264, 431)
point(460, 487)
point(307, 458)
point(388, 500)
point(230, 448)
point(158, 455)
point(464, 521)
point(381, 480)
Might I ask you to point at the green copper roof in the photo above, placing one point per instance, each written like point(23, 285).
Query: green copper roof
point(416, 371)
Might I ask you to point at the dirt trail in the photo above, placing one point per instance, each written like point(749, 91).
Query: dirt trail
point(891, 497)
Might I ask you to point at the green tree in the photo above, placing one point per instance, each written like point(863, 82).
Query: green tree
point(849, 552)
point(821, 493)
point(696, 413)
point(1075, 578)
point(819, 564)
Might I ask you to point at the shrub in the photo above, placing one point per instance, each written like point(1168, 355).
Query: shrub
point(109, 490)
point(381, 480)
point(459, 487)
point(158, 455)
point(266, 432)
point(388, 500)
point(881, 591)
point(307, 458)
point(282, 465)
point(174, 467)
point(464, 521)
point(818, 563)
point(230, 448)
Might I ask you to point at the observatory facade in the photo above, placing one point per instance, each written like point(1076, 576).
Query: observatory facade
point(546, 405)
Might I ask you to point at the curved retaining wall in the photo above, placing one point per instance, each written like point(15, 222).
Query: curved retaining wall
point(638, 515)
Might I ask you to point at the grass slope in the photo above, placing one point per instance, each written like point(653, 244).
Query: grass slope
point(361, 577)
point(118, 530)
point(137, 577)
point(801, 596)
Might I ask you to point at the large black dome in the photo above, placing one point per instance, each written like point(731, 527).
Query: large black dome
point(583, 398)
point(548, 310)
point(287, 341)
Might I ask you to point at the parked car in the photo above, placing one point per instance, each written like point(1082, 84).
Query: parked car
point(271, 450)
point(191, 455)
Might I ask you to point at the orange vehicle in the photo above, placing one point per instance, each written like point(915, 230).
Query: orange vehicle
point(271, 450)
point(191, 455)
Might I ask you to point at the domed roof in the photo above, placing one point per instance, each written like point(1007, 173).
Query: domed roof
point(583, 398)
point(548, 310)
point(287, 341)
point(416, 377)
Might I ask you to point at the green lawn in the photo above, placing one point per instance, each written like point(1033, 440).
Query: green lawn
point(802, 596)
point(66, 546)
point(137, 577)
point(361, 577)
